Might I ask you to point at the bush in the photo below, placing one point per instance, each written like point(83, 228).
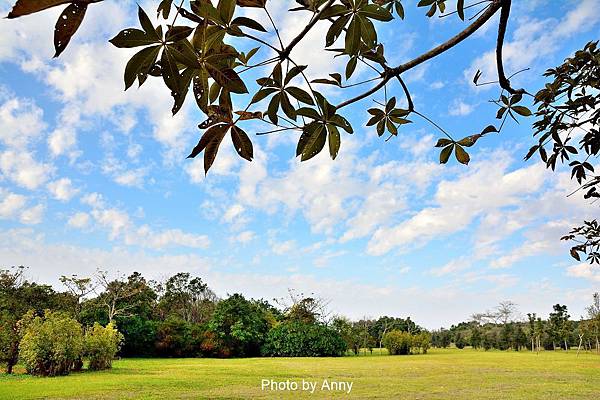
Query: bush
point(101, 345)
point(422, 342)
point(51, 344)
point(297, 339)
point(398, 343)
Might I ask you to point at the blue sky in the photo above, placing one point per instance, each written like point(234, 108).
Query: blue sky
point(91, 176)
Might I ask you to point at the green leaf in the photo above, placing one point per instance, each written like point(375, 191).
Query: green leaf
point(132, 37)
point(295, 71)
point(170, 70)
point(248, 23)
point(26, 7)
point(67, 24)
point(445, 154)
point(315, 143)
point(443, 142)
point(353, 37)
point(286, 106)
point(242, 143)
point(177, 33)
point(227, 78)
point(300, 95)
point(461, 155)
point(335, 30)
point(523, 111)
point(273, 108)
point(334, 141)
point(373, 11)
point(309, 113)
point(226, 9)
point(351, 67)
point(139, 65)
point(147, 24)
point(262, 94)
point(212, 147)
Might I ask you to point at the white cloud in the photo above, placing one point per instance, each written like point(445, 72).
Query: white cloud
point(584, 271)
point(11, 204)
point(62, 189)
point(79, 220)
point(120, 226)
point(460, 108)
point(33, 215)
point(459, 202)
point(283, 248)
point(23, 169)
point(234, 212)
point(244, 237)
point(21, 123)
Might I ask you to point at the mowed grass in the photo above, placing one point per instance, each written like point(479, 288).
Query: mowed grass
point(441, 374)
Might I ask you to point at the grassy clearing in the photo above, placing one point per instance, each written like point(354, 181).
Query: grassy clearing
point(441, 374)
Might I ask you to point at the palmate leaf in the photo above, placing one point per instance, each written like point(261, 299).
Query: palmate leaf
point(67, 24)
point(209, 143)
point(140, 64)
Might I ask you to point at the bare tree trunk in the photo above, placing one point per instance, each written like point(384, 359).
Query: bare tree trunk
point(566, 345)
point(580, 341)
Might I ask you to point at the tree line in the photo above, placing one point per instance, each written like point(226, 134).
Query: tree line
point(504, 328)
point(52, 332)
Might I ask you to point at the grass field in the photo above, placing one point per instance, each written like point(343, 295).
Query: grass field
point(441, 374)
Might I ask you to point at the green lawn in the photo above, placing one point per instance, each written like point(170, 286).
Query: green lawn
point(441, 374)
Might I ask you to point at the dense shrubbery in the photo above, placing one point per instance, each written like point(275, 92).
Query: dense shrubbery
point(54, 344)
point(403, 343)
point(398, 343)
point(51, 344)
point(101, 345)
point(297, 339)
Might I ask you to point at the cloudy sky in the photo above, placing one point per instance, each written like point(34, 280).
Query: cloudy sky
point(95, 177)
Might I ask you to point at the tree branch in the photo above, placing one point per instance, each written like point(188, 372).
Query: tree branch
point(394, 72)
point(504, 81)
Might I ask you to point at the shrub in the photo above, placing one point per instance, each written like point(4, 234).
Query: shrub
point(422, 342)
point(398, 343)
point(101, 345)
point(51, 344)
point(297, 339)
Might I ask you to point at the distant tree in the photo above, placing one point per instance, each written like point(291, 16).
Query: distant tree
point(303, 308)
point(240, 324)
point(123, 297)
point(556, 324)
point(459, 341)
point(594, 317)
point(476, 336)
point(519, 338)
point(348, 332)
point(531, 329)
point(79, 289)
point(187, 297)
